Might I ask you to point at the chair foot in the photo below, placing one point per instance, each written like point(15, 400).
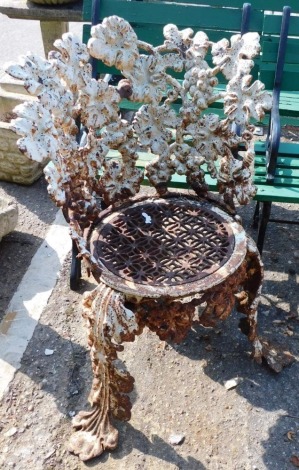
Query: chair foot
point(256, 216)
point(75, 274)
point(94, 435)
point(275, 356)
point(266, 211)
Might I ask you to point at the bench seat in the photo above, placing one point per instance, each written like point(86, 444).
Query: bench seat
point(286, 183)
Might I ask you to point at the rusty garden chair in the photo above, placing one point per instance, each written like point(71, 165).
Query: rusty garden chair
point(167, 260)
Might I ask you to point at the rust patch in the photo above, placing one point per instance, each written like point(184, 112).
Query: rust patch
point(171, 321)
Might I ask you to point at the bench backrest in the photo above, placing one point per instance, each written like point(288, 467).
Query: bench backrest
point(270, 43)
point(218, 19)
point(149, 17)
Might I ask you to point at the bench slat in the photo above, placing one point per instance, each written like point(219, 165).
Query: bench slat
point(285, 148)
point(178, 13)
point(286, 183)
point(270, 49)
point(272, 24)
point(276, 5)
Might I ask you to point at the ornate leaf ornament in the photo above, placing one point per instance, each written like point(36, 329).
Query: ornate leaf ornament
point(180, 141)
point(71, 62)
point(114, 42)
point(35, 124)
point(236, 54)
point(176, 39)
point(98, 104)
point(244, 100)
point(153, 125)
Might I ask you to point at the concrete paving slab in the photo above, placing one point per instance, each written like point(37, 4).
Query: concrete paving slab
point(30, 299)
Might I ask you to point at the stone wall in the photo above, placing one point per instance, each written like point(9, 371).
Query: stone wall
point(14, 166)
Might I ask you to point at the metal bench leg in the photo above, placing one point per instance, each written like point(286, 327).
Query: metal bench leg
point(256, 215)
point(266, 211)
point(75, 274)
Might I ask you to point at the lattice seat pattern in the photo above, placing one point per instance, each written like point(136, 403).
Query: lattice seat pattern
point(166, 243)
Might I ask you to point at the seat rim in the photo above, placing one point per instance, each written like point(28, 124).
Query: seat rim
point(185, 289)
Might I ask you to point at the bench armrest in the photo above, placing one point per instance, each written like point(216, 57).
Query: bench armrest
point(273, 137)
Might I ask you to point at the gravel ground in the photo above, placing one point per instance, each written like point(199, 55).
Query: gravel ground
point(179, 389)
point(36, 213)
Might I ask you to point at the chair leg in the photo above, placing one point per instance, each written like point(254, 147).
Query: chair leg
point(247, 302)
point(266, 211)
point(109, 324)
point(256, 216)
point(76, 273)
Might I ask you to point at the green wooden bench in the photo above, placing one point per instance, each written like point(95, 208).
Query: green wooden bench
point(277, 168)
point(276, 163)
point(218, 20)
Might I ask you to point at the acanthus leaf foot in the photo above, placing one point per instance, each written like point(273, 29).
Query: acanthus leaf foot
point(94, 434)
point(275, 355)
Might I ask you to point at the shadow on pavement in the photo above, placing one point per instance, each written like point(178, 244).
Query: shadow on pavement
point(229, 357)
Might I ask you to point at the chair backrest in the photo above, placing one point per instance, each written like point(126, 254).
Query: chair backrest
point(66, 92)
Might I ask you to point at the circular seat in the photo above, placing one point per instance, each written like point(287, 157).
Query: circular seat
point(176, 246)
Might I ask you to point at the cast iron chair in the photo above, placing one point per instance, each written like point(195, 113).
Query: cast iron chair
point(156, 259)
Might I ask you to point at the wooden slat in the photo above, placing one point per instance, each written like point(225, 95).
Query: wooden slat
point(154, 34)
point(286, 149)
point(289, 109)
point(272, 25)
point(270, 49)
point(284, 189)
point(290, 81)
point(282, 162)
point(288, 167)
point(274, 5)
point(159, 13)
point(156, 13)
point(277, 194)
point(287, 173)
point(283, 182)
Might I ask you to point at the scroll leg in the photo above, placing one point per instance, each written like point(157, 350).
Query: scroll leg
point(247, 303)
point(248, 298)
point(109, 323)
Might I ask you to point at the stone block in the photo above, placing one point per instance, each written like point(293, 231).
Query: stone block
point(8, 216)
point(14, 166)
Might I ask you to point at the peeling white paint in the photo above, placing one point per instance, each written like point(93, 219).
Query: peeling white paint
point(147, 218)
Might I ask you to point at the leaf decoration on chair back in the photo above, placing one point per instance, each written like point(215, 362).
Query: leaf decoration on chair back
point(189, 142)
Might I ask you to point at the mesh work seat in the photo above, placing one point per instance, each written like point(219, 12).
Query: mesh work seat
point(167, 245)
